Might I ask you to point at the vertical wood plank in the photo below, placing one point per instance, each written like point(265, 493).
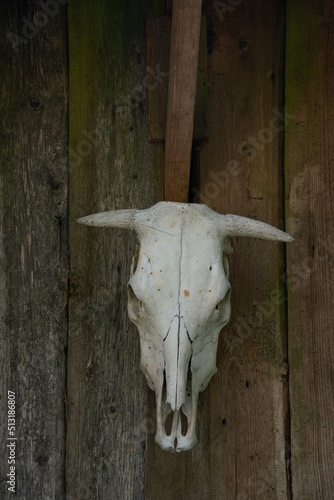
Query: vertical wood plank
point(309, 187)
point(33, 244)
point(112, 167)
point(185, 36)
point(241, 173)
point(158, 35)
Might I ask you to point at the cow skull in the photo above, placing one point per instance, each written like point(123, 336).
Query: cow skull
point(179, 299)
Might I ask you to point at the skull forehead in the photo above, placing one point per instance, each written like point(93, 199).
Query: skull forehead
point(168, 231)
point(170, 217)
point(179, 241)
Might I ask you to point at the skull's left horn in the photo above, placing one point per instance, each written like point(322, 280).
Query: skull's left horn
point(235, 225)
point(116, 218)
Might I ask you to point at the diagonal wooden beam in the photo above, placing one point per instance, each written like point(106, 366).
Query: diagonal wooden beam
point(186, 24)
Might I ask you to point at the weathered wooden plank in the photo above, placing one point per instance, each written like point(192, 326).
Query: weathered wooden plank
point(241, 173)
point(243, 176)
point(112, 166)
point(158, 35)
point(34, 244)
point(183, 63)
point(309, 154)
point(241, 450)
point(201, 98)
point(158, 32)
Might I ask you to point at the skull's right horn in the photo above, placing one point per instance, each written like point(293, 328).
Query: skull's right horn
point(235, 225)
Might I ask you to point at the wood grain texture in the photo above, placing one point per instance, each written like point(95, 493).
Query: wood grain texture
point(309, 189)
point(241, 173)
point(34, 261)
point(112, 167)
point(243, 176)
point(158, 33)
point(186, 24)
point(158, 36)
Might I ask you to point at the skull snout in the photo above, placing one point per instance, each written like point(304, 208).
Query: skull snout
point(176, 403)
point(176, 430)
point(177, 353)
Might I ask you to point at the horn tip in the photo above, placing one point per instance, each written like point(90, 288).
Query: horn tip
point(115, 218)
point(85, 220)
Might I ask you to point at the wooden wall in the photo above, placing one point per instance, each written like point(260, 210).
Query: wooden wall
point(34, 255)
point(113, 166)
point(309, 216)
point(74, 115)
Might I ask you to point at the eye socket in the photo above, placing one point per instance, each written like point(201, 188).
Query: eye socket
point(222, 304)
point(226, 266)
point(134, 262)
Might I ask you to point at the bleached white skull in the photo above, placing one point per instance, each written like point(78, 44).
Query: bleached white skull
point(179, 298)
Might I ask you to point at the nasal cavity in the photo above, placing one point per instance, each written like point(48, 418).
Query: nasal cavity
point(169, 423)
point(169, 419)
point(184, 423)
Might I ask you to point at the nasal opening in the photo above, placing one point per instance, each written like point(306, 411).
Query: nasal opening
point(183, 417)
